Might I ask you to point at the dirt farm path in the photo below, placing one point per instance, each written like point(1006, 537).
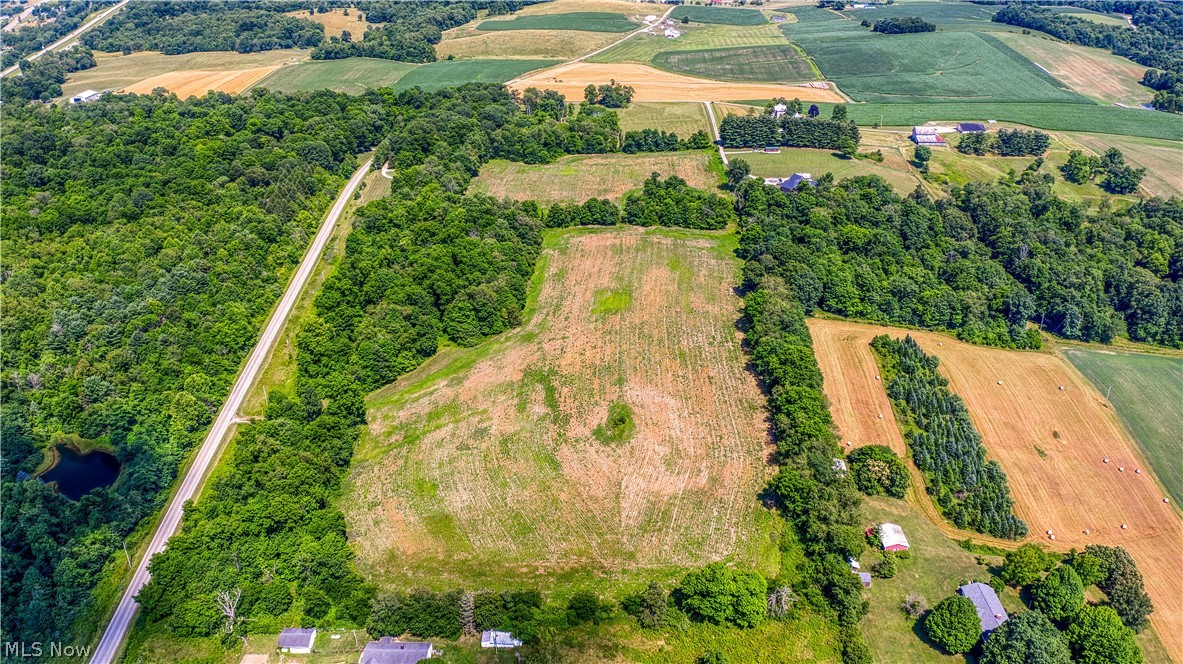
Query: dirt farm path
point(1059, 483)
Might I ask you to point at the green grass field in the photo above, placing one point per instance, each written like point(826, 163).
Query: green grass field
point(351, 75)
point(446, 73)
point(1096, 17)
point(819, 162)
point(586, 21)
point(576, 178)
point(722, 15)
point(682, 118)
point(644, 48)
point(758, 64)
point(1147, 392)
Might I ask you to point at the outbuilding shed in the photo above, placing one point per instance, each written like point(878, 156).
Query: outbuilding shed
point(892, 537)
point(297, 641)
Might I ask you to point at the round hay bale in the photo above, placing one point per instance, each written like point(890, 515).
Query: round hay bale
point(1000, 382)
point(1138, 471)
point(1121, 469)
point(1049, 532)
point(1051, 537)
point(1123, 526)
point(1106, 460)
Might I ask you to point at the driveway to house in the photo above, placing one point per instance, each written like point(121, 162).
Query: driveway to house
point(121, 621)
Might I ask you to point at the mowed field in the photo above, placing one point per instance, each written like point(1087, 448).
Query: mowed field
point(1092, 72)
point(198, 82)
point(353, 75)
point(653, 84)
point(1050, 442)
point(643, 48)
point(115, 71)
point(587, 21)
point(467, 42)
point(894, 169)
point(682, 118)
point(576, 178)
point(1147, 392)
point(484, 468)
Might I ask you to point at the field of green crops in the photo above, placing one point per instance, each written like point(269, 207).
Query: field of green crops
point(587, 21)
point(922, 67)
point(447, 73)
point(643, 48)
point(759, 64)
point(723, 15)
point(354, 75)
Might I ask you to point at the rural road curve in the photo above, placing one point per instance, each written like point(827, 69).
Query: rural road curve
point(73, 35)
point(117, 629)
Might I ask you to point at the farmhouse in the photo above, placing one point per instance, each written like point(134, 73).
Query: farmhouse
point(672, 33)
point(790, 184)
point(779, 110)
point(990, 611)
point(971, 128)
point(927, 136)
point(893, 537)
point(388, 651)
point(297, 641)
point(491, 638)
point(85, 97)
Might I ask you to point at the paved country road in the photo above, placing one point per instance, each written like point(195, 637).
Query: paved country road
point(64, 40)
point(117, 629)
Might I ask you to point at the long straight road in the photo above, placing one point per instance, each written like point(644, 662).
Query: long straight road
point(117, 629)
point(73, 35)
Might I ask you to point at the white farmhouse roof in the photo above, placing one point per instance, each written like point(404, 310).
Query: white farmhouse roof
point(492, 638)
point(892, 535)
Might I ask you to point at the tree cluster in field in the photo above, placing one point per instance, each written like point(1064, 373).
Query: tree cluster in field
point(1006, 142)
point(592, 212)
point(1118, 176)
point(1168, 89)
point(1157, 42)
point(756, 131)
point(185, 26)
point(409, 31)
point(969, 491)
point(899, 25)
point(41, 79)
point(982, 262)
point(654, 140)
point(672, 202)
point(55, 18)
point(146, 240)
point(878, 471)
point(821, 505)
point(608, 95)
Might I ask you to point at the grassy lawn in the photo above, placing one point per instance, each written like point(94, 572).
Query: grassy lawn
point(819, 162)
point(447, 73)
point(1093, 72)
point(721, 15)
point(587, 21)
point(682, 118)
point(114, 70)
point(351, 75)
point(577, 178)
point(759, 64)
point(1146, 391)
point(642, 48)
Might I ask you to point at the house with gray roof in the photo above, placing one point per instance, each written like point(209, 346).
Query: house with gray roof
point(386, 650)
point(990, 611)
point(296, 640)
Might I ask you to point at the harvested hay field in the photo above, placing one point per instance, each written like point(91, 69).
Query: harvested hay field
point(1164, 167)
point(198, 82)
point(529, 44)
point(656, 85)
point(115, 71)
point(1051, 442)
point(490, 467)
point(682, 118)
point(1092, 72)
point(576, 178)
point(566, 6)
point(335, 21)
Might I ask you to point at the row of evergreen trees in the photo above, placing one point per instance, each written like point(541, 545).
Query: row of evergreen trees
point(754, 131)
point(970, 492)
point(654, 140)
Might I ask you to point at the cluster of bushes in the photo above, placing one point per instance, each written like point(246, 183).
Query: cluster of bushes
point(1168, 89)
point(877, 471)
point(903, 25)
point(969, 491)
point(609, 95)
point(672, 202)
point(653, 140)
point(1119, 177)
point(1006, 142)
point(592, 212)
point(748, 131)
point(185, 26)
point(41, 79)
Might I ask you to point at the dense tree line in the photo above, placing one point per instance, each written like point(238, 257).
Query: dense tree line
point(146, 240)
point(982, 262)
point(672, 202)
point(592, 212)
point(57, 18)
point(654, 140)
point(900, 25)
point(1168, 89)
point(969, 490)
point(409, 32)
point(753, 131)
point(608, 95)
point(42, 78)
point(185, 26)
point(1157, 42)
point(1005, 142)
point(1118, 576)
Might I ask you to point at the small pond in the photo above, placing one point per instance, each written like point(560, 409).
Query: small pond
point(78, 474)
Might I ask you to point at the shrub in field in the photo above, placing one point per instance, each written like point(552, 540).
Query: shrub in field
point(723, 595)
point(953, 624)
point(1059, 595)
point(1097, 636)
point(1028, 638)
point(649, 607)
point(1088, 567)
point(877, 470)
point(585, 606)
point(914, 605)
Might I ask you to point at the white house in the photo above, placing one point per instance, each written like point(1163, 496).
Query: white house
point(85, 96)
point(672, 33)
point(297, 641)
point(893, 537)
point(491, 638)
point(779, 110)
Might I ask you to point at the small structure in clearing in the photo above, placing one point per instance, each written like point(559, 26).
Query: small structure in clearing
point(971, 128)
point(892, 537)
point(492, 638)
point(779, 110)
point(85, 97)
point(990, 611)
point(865, 577)
point(297, 641)
point(839, 466)
point(388, 651)
point(927, 136)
